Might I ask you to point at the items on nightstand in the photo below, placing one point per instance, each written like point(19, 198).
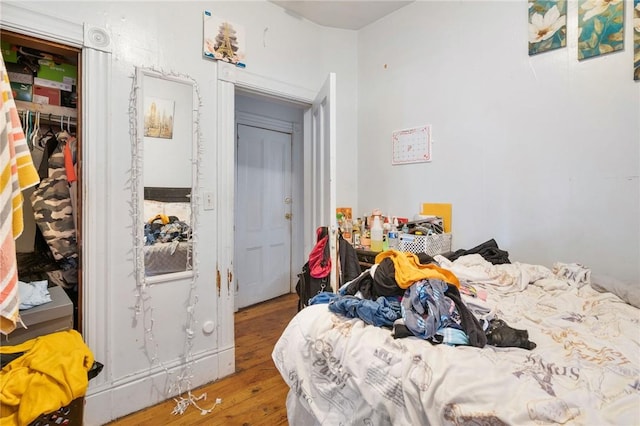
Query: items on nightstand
point(356, 233)
point(430, 244)
point(392, 236)
point(376, 231)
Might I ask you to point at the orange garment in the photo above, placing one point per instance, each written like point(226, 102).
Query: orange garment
point(409, 269)
point(68, 161)
point(51, 373)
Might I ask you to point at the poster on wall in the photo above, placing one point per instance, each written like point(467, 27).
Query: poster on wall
point(223, 40)
point(600, 27)
point(158, 118)
point(636, 40)
point(547, 25)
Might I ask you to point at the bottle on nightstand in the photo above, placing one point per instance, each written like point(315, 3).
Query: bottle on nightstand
point(376, 231)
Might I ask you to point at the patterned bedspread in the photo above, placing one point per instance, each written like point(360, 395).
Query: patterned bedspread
point(165, 258)
point(584, 370)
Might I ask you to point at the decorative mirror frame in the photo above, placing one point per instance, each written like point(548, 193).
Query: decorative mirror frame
point(137, 131)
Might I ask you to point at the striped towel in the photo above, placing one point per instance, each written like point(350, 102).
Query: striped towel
point(17, 172)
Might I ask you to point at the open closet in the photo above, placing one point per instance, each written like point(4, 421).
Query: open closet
point(46, 80)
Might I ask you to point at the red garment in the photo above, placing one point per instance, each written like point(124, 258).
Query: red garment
point(68, 162)
point(319, 258)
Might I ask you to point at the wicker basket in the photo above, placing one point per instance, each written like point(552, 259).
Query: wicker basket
point(431, 244)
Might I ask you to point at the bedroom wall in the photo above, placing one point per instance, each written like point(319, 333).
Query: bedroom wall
point(168, 36)
point(541, 153)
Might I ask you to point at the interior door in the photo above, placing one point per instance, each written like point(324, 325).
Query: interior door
point(320, 177)
point(263, 214)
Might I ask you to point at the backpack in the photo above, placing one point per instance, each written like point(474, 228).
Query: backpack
point(314, 277)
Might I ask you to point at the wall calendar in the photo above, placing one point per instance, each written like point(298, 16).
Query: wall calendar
point(411, 145)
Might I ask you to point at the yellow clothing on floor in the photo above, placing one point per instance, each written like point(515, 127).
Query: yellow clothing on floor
point(51, 373)
point(409, 269)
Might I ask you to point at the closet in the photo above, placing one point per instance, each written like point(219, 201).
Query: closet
point(46, 83)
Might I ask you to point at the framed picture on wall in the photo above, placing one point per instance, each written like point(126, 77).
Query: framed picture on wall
point(547, 25)
point(223, 40)
point(636, 40)
point(158, 118)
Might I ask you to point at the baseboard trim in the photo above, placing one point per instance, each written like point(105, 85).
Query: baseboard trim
point(108, 402)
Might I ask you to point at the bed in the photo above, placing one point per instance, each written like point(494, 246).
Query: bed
point(167, 215)
point(583, 366)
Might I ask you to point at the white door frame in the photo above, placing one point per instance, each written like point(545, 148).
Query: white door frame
point(95, 43)
point(228, 78)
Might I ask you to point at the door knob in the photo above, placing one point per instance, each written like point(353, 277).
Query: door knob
point(288, 216)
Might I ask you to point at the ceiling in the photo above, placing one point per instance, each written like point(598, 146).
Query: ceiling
point(348, 15)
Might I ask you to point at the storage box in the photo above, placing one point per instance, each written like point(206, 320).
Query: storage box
point(69, 99)
point(22, 92)
point(52, 96)
point(18, 73)
point(61, 73)
point(431, 244)
point(50, 317)
point(52, 84)
point(9, 54)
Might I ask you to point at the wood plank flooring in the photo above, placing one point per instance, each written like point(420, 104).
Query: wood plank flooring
point(255, 394)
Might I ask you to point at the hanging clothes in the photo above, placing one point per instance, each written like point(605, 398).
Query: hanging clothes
point(54, 212)
point(17, 173)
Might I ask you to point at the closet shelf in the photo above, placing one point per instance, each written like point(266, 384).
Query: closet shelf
point(54, 110)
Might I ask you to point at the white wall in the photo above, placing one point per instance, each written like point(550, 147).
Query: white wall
point(168, 36)
point(541, 153)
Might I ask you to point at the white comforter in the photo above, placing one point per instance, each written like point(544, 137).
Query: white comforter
point(584, 370)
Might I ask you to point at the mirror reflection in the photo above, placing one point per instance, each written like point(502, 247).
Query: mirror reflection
point(167, 230)
point(167, 143)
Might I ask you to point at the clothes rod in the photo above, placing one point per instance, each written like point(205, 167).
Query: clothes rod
point(50, 113)
point(45, 109)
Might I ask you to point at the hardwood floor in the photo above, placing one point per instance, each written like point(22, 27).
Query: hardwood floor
point(255, 394)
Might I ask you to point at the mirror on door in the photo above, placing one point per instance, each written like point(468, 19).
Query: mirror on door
point(165, 148)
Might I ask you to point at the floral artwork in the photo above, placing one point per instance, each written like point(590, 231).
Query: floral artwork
point(547, 25)
point(600, 27)
point(223, 40)
point(636, 40)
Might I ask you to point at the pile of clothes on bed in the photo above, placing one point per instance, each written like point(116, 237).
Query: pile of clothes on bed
point(419, 295)
point(165, 229)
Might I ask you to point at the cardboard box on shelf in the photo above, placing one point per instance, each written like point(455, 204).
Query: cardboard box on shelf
point(52, 84)
point(69, 99)
point(19, 73)
point(22, 92)
point(52, 95)
point(9, 54)
point(61, 73)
